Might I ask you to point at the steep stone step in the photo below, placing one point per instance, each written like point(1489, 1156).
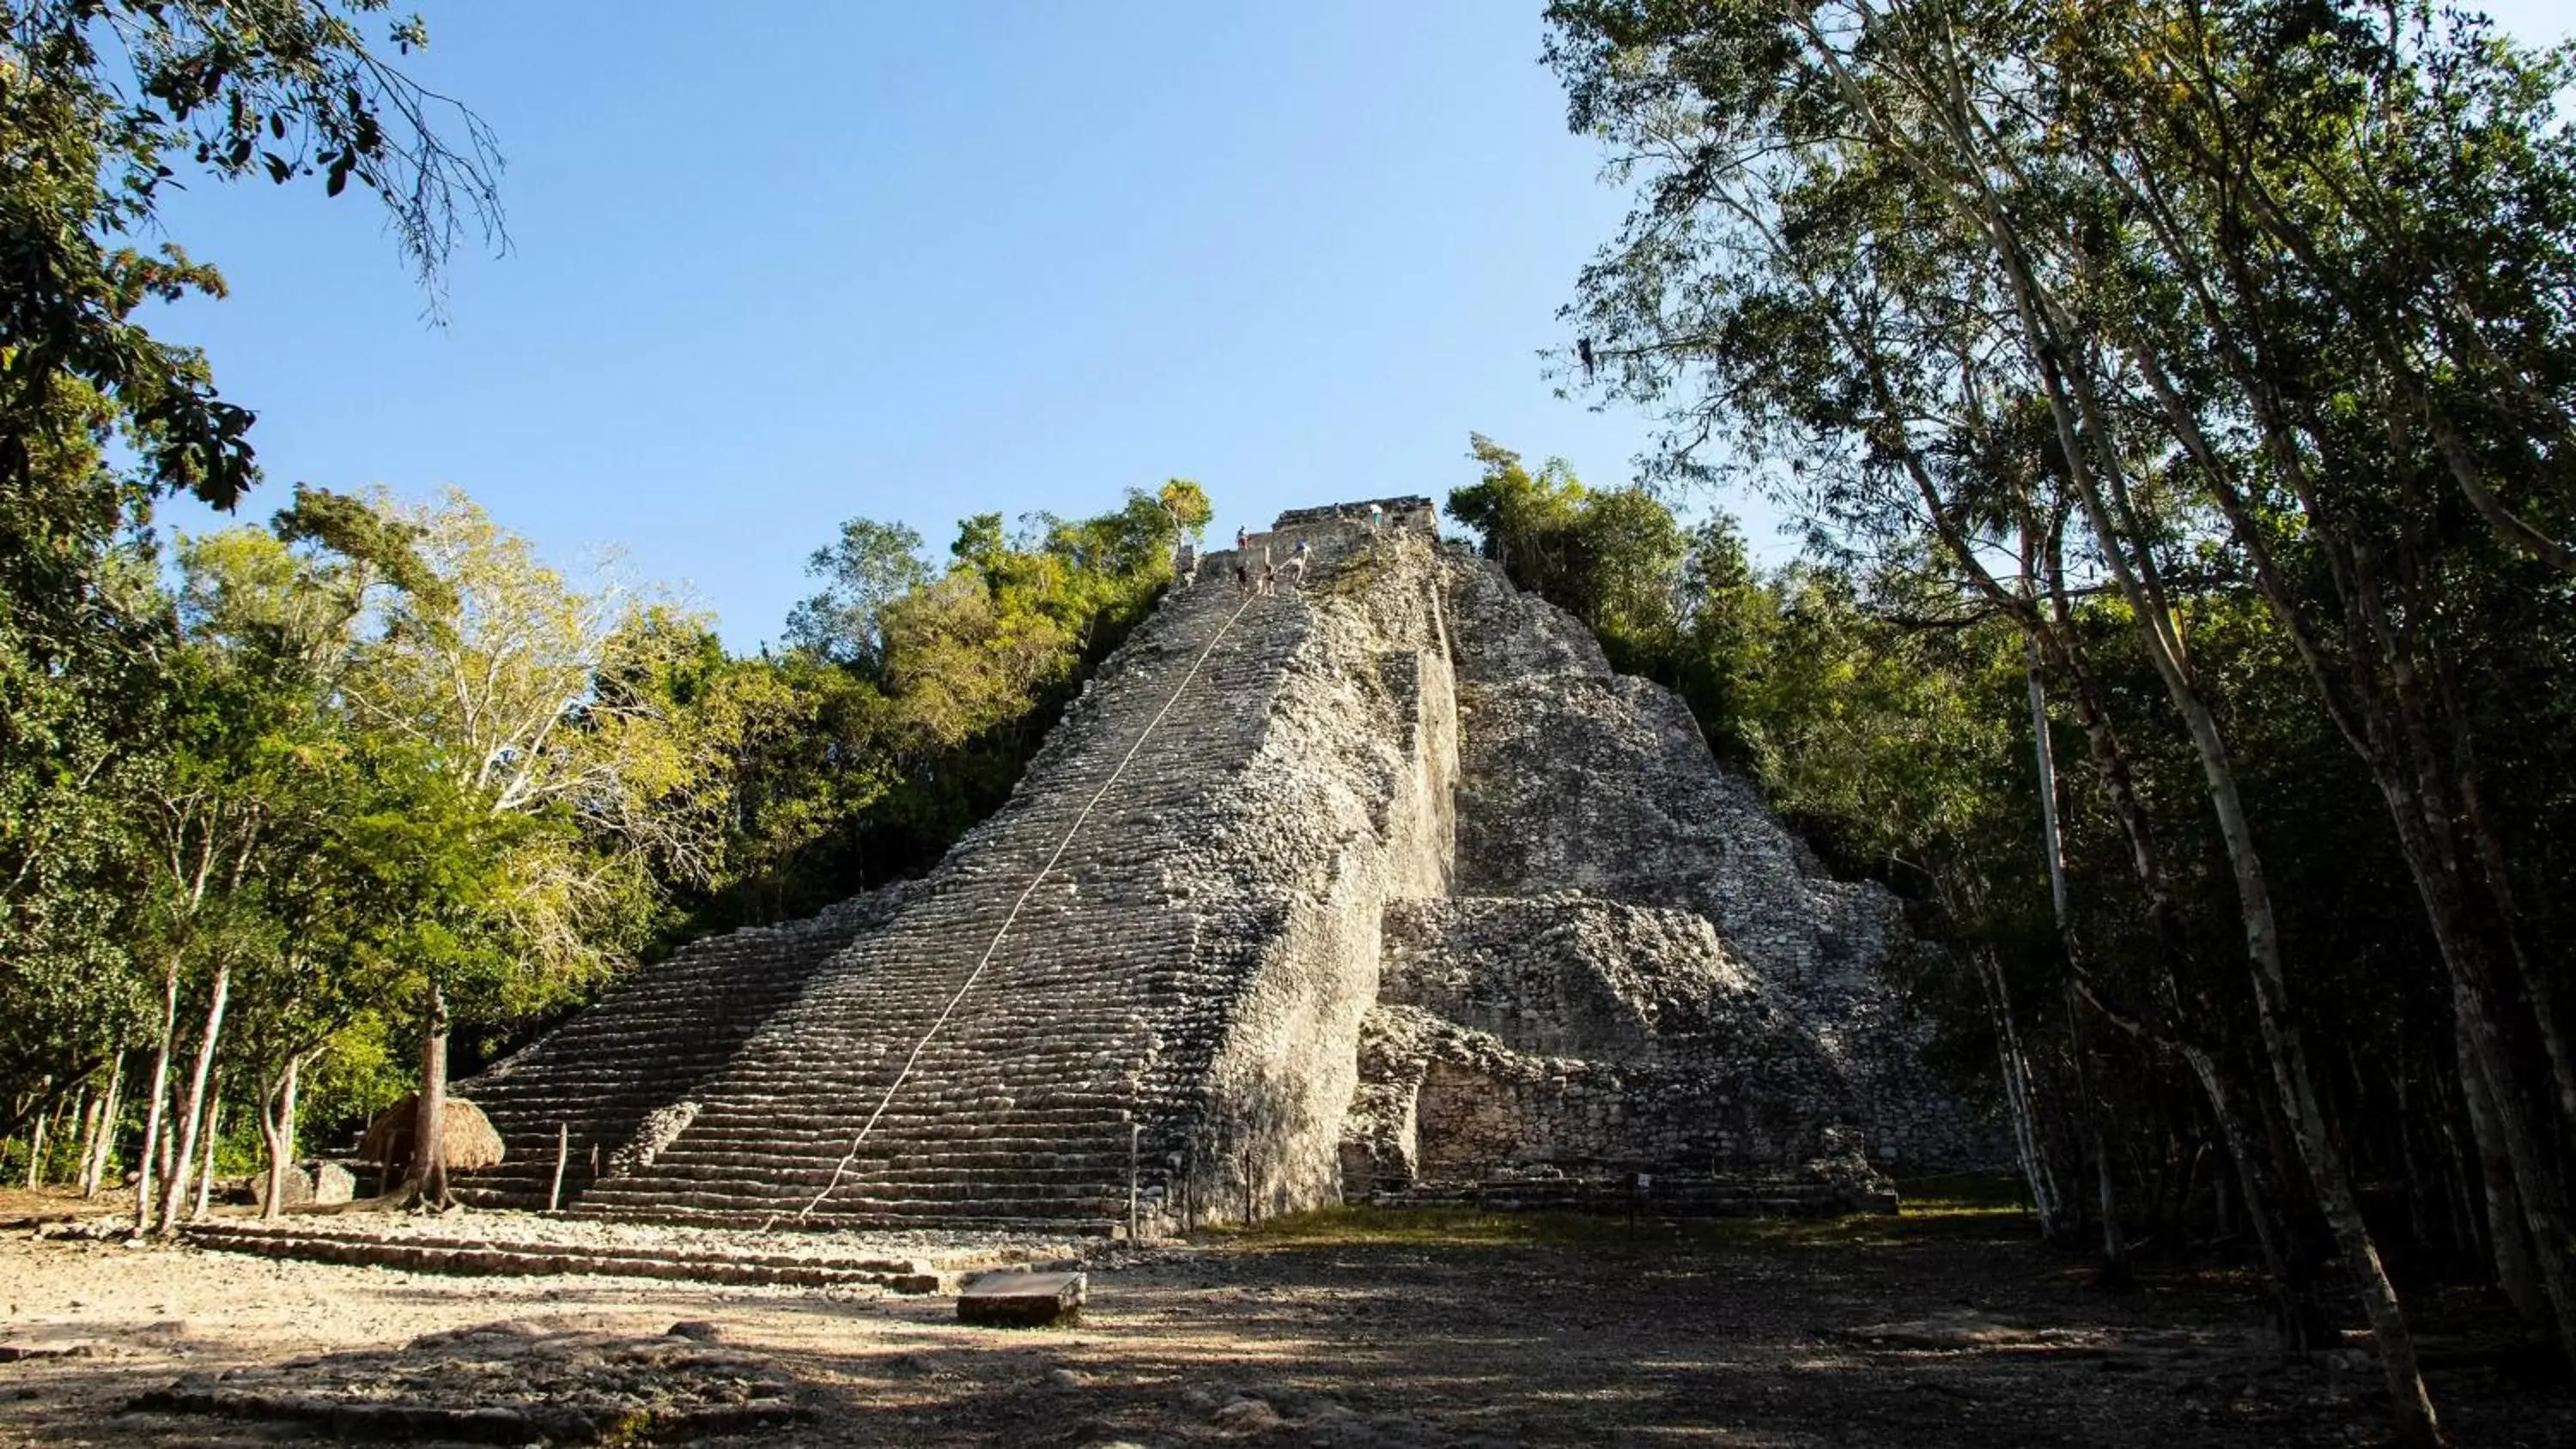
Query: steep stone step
point(501, 1257)
point(1003, 1219)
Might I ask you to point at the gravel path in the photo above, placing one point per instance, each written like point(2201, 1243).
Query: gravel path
point(1353, 1334)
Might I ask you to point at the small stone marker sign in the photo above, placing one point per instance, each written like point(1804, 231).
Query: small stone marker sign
point(1015, 1299)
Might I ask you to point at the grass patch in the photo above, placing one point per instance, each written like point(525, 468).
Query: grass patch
point(1952, 1205)
point(1955, 1192)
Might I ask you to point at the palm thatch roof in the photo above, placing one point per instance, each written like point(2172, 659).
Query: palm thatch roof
point(465, 1134)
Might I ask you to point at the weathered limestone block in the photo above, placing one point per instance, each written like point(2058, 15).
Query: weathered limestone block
point(1446, 1102)
point(1605, 785)
point(1574, 975)
point(295, 1187)
point(1016, 1299)
point(1381, 1138)
point(322, 1183)
point(333, 1183)
point(1844, 1166)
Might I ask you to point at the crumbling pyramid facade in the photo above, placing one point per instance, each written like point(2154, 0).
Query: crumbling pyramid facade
point(1385, 885)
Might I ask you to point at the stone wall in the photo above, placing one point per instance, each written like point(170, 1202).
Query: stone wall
point(1641, 970)
point(1348, 804)
point(1585, 1035)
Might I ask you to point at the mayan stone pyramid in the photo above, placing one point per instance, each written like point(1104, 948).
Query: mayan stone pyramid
point(1386, 885)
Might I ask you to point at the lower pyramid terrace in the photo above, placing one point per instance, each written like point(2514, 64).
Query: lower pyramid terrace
point(1383, 887)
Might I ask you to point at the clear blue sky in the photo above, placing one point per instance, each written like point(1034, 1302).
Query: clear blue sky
point(777, 265)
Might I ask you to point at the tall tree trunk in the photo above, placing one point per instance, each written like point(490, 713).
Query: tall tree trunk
point(2476, 939)
point(277, 1131)
point(286, 1108)
point(2391, 703)
point(2046, 1199)
point(2419, 1190)
point(2468, 1212)
point(2286, 1047)
point(90, 1119)
point(272, 1203)
point(2508, 1241)
point(2496, 862)
point(2115, 1244)
point(103, 1146)
point(174, 1192)
point(2070, 393)
point(2479, 995)
point(36, 1148)
point(154, 1141)
point(429, 1120)
point(2302, 1320)
point(2044, 750)
point(169, 1138)
point(2044, 754)
point(214, 1132)
point(2301, 1317)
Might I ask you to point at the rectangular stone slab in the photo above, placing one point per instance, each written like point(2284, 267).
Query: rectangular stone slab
point(1022, 1300)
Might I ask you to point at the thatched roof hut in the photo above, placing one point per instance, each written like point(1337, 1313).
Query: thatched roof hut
point(465, 1134)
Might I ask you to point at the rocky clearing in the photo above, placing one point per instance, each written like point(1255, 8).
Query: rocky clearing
point(1354, 1329)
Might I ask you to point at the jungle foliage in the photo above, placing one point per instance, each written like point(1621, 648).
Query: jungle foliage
point(2196, 381)
point(283, 808)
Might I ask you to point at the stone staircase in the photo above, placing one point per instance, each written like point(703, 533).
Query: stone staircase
point(648, 1042)
point(483, 1256)
point(1063, 1076)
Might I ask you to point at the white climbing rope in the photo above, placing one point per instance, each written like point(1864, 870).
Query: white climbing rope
point(843, 1167)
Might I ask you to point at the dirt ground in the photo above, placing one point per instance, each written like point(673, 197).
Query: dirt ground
point(1355, 1329)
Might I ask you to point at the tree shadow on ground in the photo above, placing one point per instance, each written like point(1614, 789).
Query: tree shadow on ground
point(1391, 1330)
point(1367, 1329)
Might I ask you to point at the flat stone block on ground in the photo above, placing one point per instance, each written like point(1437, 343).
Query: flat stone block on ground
point(1023, 1300)
point(18, 1349)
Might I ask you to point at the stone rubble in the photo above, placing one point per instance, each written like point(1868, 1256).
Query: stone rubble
point(511, 1243)
point(506, 1383)
point(660, 1128)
